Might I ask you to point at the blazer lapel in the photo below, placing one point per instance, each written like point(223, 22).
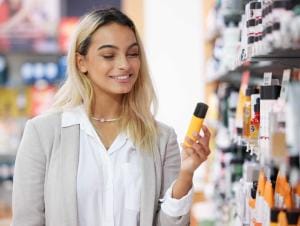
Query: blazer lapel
point(70, 157)
point(148, 189)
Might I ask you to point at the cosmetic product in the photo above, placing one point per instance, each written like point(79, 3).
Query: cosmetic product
point(292, 119)
point(293, 217)
point(268, 97)
point(252, 202)
point(279, 188)
point(268, 26)
point(294, 179)
point(247, 111)
point(282, 218)
point(268, 201)
point(277, 130)
point(258, 27)
point(239, 110)
point(253, 102)
point(38, 71)
point(259, 205)
point(196, 121)
point(254, 129)
point(274, 217)
point(51, 72)
point(232, 105)
point(3, 70)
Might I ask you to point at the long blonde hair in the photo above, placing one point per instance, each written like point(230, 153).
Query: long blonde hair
point(137, 118)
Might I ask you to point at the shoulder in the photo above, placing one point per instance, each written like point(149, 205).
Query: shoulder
point(165, 132)
point(164, 129)
point(46, 121)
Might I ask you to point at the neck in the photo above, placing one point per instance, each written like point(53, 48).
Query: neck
point(107, 106)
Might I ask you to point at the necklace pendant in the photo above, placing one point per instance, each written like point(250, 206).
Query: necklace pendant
point(102, 120)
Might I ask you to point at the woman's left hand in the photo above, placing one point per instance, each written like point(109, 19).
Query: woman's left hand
point(191, 159)
point(196, 153)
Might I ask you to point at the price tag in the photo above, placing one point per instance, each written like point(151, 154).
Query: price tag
point(267, 79)
point(284, 83)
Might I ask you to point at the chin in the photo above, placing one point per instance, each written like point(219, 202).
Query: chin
point(125, 91)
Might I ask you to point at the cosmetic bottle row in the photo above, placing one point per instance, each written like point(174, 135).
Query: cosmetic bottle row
point(32, 72)
point(243, 30)
point(267, 25)
point(257, 176)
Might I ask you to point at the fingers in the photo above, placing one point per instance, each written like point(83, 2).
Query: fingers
point(200, 146)
point(199, 143)
point(206, 131)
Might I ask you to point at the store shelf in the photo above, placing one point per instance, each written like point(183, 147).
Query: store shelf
point(276, 62)
point(286, 54)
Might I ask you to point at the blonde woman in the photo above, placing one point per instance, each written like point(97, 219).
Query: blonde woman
point(101, 158)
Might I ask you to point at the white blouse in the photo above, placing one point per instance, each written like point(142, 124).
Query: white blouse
point(109, 181)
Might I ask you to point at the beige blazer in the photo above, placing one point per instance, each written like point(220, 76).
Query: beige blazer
point(44, 191)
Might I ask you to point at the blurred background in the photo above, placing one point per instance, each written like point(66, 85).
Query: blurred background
point(221, 52)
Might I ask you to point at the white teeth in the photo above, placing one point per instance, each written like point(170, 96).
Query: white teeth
point(121, 77)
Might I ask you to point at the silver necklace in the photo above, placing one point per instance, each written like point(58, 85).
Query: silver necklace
point(106, 120)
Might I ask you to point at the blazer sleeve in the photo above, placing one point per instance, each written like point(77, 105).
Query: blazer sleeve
point(29, 176)
point(171, 167)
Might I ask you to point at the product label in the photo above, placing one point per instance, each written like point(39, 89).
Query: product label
point(267, 79)
point(278, 142)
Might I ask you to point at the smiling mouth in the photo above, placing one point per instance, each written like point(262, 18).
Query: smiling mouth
point(121, 77)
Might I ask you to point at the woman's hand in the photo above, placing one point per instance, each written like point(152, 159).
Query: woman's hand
point(191, 159)
point(196, 153)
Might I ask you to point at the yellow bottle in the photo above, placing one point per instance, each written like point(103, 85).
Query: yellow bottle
point(197, 121)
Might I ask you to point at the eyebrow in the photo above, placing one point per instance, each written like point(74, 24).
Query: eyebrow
point(115, 47)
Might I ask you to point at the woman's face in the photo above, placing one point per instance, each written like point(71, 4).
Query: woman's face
point(112, 62)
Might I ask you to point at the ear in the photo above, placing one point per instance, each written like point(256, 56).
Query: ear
point(81, 64)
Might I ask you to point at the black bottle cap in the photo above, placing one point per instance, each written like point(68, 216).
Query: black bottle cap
point(201, 110)
point(274, 215)
point(252, 5)
point(294, 161)
point(257, 105)
point(257, 5)
point(270, 92)
point(292, 217)
point(251, 23)
point(254, 189)
point(274, 173)
point(251, 39)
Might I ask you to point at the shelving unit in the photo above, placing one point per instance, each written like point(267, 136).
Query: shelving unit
point(230, 157)
point(275, 62)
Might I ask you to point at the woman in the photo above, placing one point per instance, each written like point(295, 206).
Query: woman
point(101, 158)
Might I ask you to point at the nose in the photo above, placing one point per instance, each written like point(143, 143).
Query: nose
point(123, 63)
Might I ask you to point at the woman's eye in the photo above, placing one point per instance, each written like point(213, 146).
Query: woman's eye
point(133, 54)
point(108, 57)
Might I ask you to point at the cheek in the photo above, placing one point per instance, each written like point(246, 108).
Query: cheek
point(136, 65)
